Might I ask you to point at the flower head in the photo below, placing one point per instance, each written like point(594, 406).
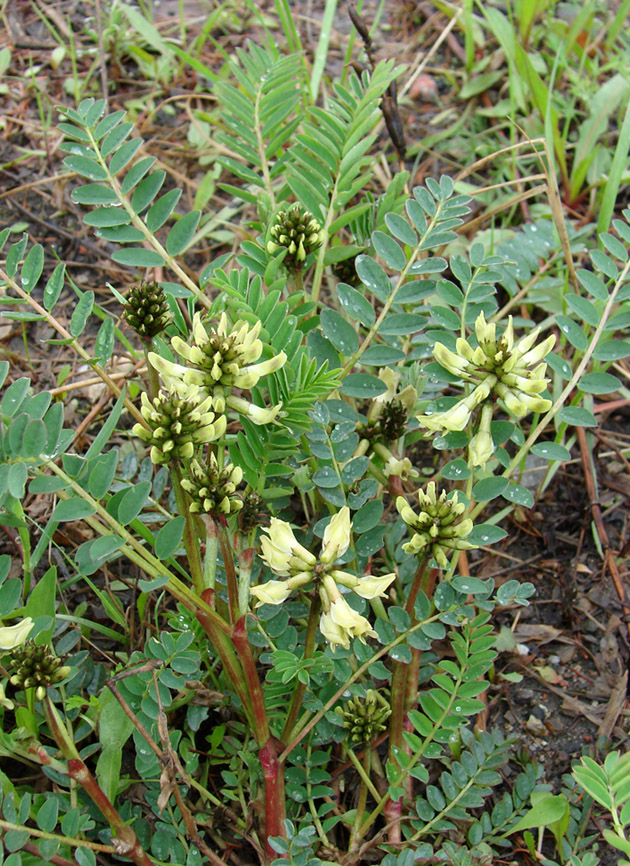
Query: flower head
point(298, 233)
point(36, 667)
point(146, 309)
point(220, 360)
point(178, 422)
point(436, 528)
point(514, 371)
point(287, 558)
point(364, 718)
point(212, 489)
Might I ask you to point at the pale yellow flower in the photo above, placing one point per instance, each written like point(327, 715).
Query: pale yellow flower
point(436, 527)
point(12, 636)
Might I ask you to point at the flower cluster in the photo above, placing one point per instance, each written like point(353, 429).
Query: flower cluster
point(36, 667)
point(364, 718)
point(211, 489)
point(177, 422)
point(287, 558)
point(386, 422)
point(218, 362)
point(436, 528)
point(146, 310)
point(298, 233)
point(515, 372)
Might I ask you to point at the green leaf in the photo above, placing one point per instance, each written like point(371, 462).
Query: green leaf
point(104, 345)
point(108, 123)
point(584, 308)
point(115, 138)
point(604, 264)
point(138, 257)
point(401, 229)
point(126, 234)
point(489, 488)
point(94, 193)
point(14, 256)
point(147, 190)
point(368, 516)
point(381, 356)
point(32, 268)
point(326, 477)
point(182, 233)
point(138, 170)
point(102, 474)
point(593, 284)
point(373, 277)
point(93, 554)
point(133, 501)
point(48, 812)
point(86, 167)
point(74, 132)
point(574, 334)
point(41, 602)
point(81, 314)
point(486, 533)
point(576, 416)
point(168, 539)
point(4, 369)
point(389, 251)
point(456, 470)
point(399, 324)
point(107, 429)
point(162, 209)
point(612, 350)
point(14, 396)
point(72, 509)
point(363, 386)
point(519, 495)
point(54, 286)
point(106, 217)
point(34, 439)
point(354, 305)
point(599, 383)
point(340, 333)
point(551, 451)
point(548, 809)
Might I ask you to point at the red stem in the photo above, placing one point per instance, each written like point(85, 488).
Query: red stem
point(125, 841)
point(244, 650)
point(273, 777)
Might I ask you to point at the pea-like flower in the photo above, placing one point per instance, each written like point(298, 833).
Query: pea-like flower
point(514, 371)
point(298, 232)
point(289, 559)
point(212, 489)
point(178, 421)
point(12, 636)
point(219, 361)
point(339, 622)
point(436, 528)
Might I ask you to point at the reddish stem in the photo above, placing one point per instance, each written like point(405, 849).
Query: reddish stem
point(125, 841)
point(244, 650)
point(273, 777)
